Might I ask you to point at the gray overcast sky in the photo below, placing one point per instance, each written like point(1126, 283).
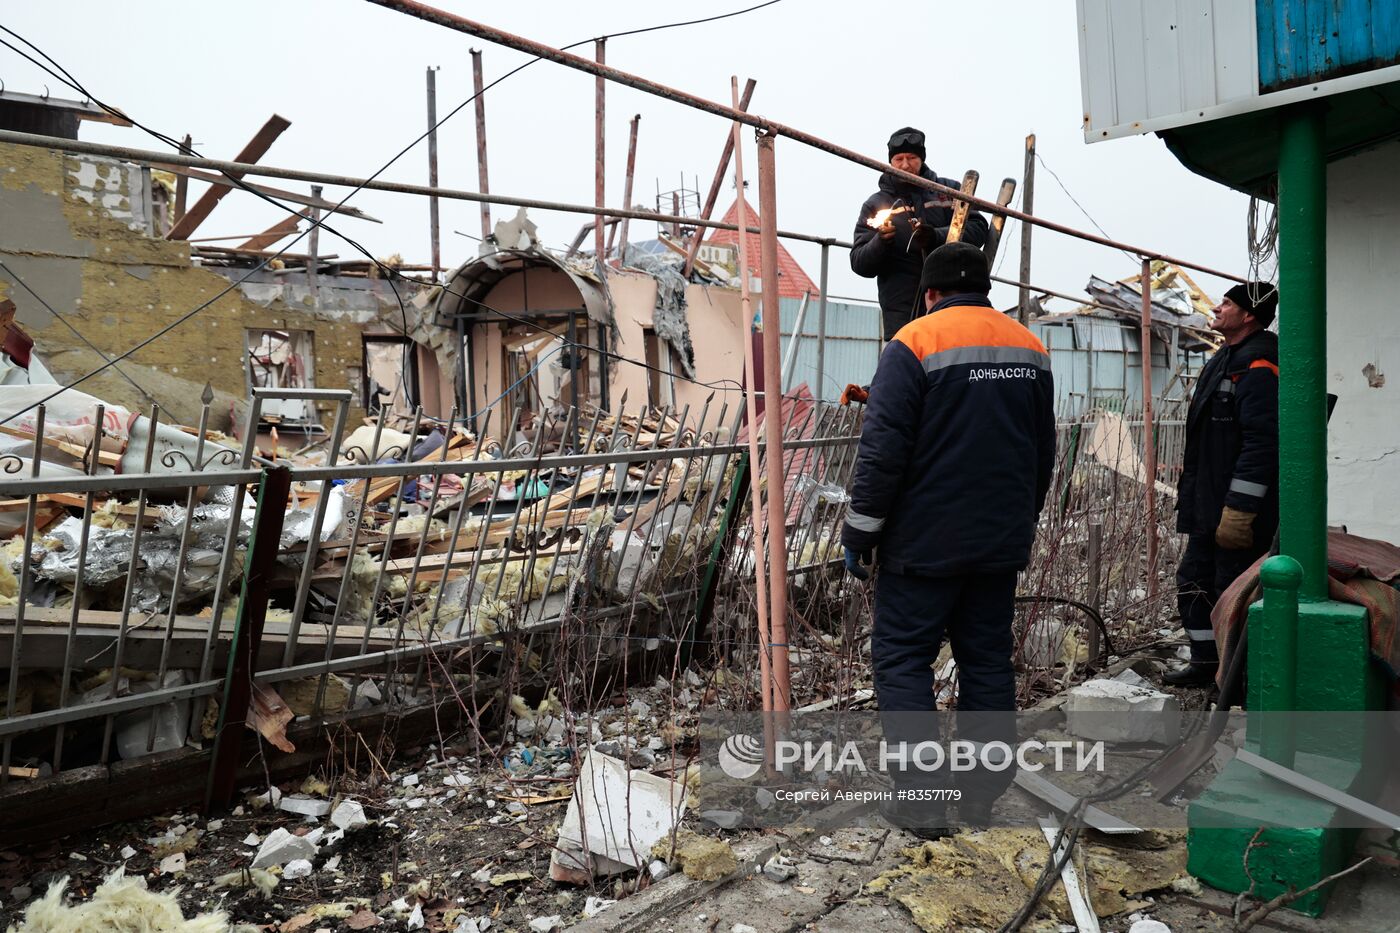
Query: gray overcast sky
point(976, 77)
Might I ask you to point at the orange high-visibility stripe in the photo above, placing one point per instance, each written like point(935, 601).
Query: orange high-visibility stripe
point(965, 326)
point(1264, 364)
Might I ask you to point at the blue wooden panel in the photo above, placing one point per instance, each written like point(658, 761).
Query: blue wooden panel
point(1320, 39)
point(1268, 58)
point(1354, 32)
point(1385, 31)
point(1310, 40)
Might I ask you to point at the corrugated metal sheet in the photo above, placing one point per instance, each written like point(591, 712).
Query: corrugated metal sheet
point(852, 345)
point(1144, 60)
point(1109, 374)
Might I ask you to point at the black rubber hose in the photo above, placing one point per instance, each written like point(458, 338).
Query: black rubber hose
point(1085, 608)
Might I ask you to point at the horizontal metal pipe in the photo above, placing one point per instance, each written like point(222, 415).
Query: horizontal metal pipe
point(151, 157)
point(520, 43)
point(147, 156)
point(108, 707)
point(18, 488)
point(317, 395)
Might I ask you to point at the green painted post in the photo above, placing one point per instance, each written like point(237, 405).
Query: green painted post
point(1302, 395)
point(1281, 576)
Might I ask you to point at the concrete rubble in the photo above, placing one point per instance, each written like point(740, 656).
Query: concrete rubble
point(1114, 711)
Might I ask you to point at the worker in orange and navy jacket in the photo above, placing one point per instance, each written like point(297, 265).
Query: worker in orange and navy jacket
point(956, 454)
point(1227, 500)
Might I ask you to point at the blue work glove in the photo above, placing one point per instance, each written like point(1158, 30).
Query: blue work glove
point(856, 562)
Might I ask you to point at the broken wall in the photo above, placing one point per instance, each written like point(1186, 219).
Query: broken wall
point(73, 230)
point(1363, 342)
point(716, 331)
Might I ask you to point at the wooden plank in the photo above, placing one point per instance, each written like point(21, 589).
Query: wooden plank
point(109, 458)
point(278, 231)
point(252, 152)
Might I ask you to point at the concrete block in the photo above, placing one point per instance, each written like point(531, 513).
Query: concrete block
point(281, 847)
point(1112, 711)
point(349, 816)
point(618, 812)
point(309, 807)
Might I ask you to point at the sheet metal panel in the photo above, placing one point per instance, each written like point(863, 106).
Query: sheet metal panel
point(852, 345)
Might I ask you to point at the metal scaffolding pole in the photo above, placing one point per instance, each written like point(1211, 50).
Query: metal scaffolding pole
point(482, 176)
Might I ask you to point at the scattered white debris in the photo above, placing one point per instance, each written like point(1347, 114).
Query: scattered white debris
point(618, 812)
point(128, 852)
point(779, 868)
point(410, 780)
point(214, 826)
point(659, 870)
point(482, 876)
point(417, 803)
point(332, 863)
point(415, 919)
point(742, 928)
point(349, 815)
point(1149, 926)
point(596, 905)
point(309, 807)
point(457, 780)
point(252, 839)
point(546, 924)
point(826, 840)
point(271, 798)
point(297, 868)
point(173, 864)
point(281, 847)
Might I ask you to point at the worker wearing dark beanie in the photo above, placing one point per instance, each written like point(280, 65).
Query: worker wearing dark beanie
point(1227, 499)
point(1257, 299)
point(900, 224)
point(907, 140)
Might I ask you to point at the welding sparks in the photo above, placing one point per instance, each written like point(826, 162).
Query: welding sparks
point(882, 216)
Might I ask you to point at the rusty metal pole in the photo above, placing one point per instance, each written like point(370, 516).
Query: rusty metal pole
point(773, 419)
point(273, 493)
point(313, 247)
point(765, 675)
point(182, 184)
point(708, 208)
point(434, 231)
point(1149, 442)
point(479, 91)
point(599, 252)
point(626, 192)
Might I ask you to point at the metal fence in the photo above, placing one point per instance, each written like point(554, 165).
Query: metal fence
point(154, 611)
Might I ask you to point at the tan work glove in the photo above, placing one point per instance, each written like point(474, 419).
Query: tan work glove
point(1236, 529)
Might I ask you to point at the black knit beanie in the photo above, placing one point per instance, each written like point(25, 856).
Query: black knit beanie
point(908, 140)
point(1260, 299)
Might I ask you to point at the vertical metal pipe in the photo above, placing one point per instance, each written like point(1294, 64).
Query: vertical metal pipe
point(1281, 577)
point(773, 419)
point(1302, 233)
point(1149, 441)
point(182, 184)
point(790, 358)
point(1028, 205)
point(433, 231)
point(273, 491)
point(600, 151)
point(819, 390)
point(709, 206)
point(626, 192)
point(1094, 557)
point(25, 581)
point(313, 247)
point(483, 184)
point(751, 410)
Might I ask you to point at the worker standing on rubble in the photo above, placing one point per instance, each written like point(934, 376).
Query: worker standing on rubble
point(954, 464)
point(912, 222)
point(1227, 500)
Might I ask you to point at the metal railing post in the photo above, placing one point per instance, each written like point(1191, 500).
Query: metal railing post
point(273, 493)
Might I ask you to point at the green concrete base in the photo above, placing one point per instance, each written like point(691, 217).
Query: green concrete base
point(1334, 673)
point(1225, 818)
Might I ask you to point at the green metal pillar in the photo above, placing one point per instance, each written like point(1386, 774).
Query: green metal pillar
point(1302, 395)
point(1299, 843)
